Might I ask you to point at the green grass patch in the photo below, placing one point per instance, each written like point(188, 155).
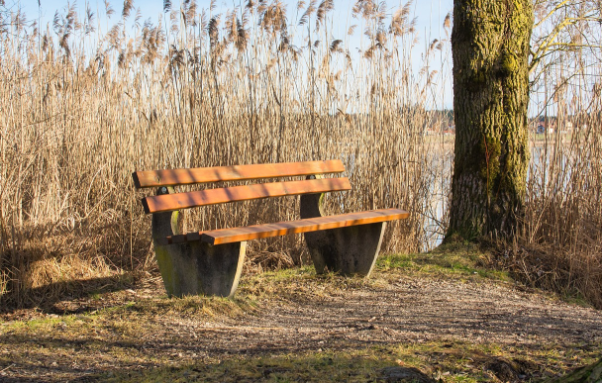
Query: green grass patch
point(454, 260)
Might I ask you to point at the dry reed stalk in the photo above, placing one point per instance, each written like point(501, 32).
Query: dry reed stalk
point(77, 119)
point(561, 244)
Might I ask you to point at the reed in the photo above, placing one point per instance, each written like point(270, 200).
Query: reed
point(560, 245)
point(86, 104)
point(86, 101)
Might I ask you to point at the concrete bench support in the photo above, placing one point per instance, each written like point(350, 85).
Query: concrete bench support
point(349, 250)
point(194, 268)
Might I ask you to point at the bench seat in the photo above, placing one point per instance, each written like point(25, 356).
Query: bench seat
point(239, 234)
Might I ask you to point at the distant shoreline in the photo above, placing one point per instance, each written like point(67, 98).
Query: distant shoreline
point(448, 141)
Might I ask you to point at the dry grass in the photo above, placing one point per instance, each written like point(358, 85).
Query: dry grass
point(560, 247)
point(561, 243)
point(256, 84)
point(77, 118)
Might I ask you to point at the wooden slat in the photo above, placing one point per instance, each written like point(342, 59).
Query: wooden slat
point(223, 236)
point(169, 202)
point(172, 177)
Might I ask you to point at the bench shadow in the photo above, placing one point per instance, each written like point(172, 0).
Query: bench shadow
point(71, 297)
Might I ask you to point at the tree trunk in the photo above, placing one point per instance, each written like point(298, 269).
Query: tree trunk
point(490, 45)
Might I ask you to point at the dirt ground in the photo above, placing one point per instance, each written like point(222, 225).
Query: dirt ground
point(291, 313)
point(407, 311)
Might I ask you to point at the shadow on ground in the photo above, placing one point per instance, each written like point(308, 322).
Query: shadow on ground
point(411, 363)
point(70, 297)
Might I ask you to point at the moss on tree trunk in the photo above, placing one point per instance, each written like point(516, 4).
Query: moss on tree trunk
point(490, 44)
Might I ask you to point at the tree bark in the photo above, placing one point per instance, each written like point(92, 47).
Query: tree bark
point(490, 45)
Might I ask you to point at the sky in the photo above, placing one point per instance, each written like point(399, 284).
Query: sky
point(429, 15)
point(429, 12)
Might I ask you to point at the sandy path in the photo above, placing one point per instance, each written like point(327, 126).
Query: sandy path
point(418, 310)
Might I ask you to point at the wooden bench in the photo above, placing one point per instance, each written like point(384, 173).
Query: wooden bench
point(210, 262)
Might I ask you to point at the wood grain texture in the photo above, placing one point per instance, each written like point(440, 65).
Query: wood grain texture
point(223, 236)
point(172, 177)
point(170, 202)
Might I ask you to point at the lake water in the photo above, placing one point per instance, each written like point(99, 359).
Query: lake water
point(441, 160)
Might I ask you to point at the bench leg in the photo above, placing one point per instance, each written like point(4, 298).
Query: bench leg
point(194, 268)
point(348, 251)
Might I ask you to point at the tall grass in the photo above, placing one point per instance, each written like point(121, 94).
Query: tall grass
point(82, 109)
point(560, 247)
point(88, 100)
point(561, 244)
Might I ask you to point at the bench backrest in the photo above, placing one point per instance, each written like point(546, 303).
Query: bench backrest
point(174, 177)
